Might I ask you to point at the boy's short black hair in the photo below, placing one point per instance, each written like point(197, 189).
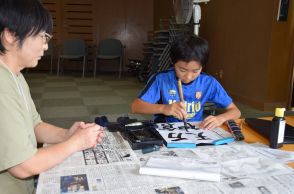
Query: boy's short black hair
point(24, 18)
point(189, 48)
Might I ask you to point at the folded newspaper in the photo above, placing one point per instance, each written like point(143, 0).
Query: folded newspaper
point(182, 168)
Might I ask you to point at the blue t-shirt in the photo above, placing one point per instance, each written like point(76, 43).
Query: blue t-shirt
point(162, 88)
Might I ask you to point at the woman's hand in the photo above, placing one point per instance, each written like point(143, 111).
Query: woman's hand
point(76, 126)
point(87, 136)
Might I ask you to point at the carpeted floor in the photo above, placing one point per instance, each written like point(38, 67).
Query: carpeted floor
point(67, 98)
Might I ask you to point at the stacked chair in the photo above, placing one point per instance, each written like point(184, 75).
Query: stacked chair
point(156, 51)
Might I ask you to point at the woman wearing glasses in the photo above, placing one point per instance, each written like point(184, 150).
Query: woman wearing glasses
point(25, 28)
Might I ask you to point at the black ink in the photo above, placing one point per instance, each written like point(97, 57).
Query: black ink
point(179, 137)
point(202, 137)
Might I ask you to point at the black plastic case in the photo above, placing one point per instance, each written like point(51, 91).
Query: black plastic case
point(142, 136)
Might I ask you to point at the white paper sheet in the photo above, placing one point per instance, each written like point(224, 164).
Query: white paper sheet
point(176, 136)
point(181, 168)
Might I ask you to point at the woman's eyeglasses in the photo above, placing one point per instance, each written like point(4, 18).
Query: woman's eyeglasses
point(46, 38)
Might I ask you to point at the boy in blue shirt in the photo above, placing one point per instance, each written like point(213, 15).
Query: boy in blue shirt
point(160, 96)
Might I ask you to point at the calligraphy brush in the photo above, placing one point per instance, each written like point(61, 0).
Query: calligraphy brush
point(182, 100)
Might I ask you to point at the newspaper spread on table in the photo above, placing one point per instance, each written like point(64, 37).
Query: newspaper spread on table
point(113, 167)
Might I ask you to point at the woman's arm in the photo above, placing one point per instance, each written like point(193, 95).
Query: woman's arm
point(47, 157)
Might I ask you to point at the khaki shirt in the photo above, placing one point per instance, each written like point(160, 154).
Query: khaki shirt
point(18, 117)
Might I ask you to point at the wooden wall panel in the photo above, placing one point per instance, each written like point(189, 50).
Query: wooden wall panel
point(80, 29)
point(75, 14)
point(111, 19)
point(53, 7)
point(250, 48)
point(94, 20)
point(239, 42)
point(137, 27)
point(280, 61)
point(79, 2)
point(86, 23)
point(163, 9)
point(79, 15)
point(86, 8)
point(126, 20)
point(78, 21)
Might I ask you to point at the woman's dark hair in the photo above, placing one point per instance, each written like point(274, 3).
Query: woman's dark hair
point(189, 48)
point(24, 18)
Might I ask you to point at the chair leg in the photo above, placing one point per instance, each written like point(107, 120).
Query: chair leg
point(51, 65)
point(120, 67)
point(94, 71)
point(58, 63)
point(84, 62)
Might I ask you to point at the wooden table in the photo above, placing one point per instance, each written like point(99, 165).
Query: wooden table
point(251, 136)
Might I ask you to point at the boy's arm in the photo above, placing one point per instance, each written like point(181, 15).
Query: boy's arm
point(232, 112)
point(210, 122)
point(176, 109)
point(140, 106)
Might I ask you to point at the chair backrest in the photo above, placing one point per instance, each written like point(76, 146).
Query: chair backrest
point(110, 47)
point(74, 47)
